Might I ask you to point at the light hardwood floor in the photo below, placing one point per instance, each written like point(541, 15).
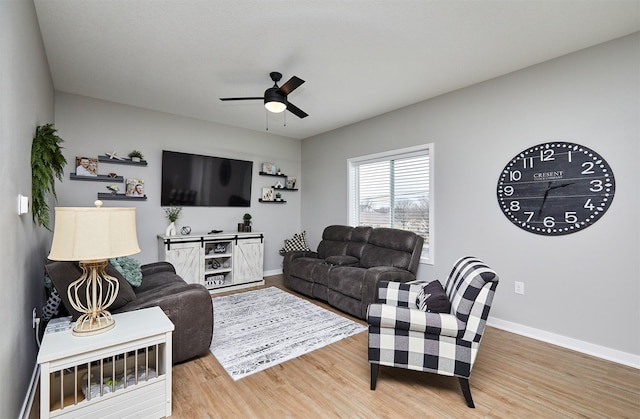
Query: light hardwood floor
point(514, 376)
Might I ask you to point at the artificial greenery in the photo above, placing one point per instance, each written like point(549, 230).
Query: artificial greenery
point(136, 153)
point(47, 163)
point(172, 213)
point(246, 217)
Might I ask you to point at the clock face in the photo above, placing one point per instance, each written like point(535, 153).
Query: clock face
point(555, 188)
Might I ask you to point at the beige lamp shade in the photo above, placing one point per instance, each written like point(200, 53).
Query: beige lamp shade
point(85, 234)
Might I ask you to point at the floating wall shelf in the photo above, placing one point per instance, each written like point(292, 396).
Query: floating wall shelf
point(126, 160)
point(99, 178)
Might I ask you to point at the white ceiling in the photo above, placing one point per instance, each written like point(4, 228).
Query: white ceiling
point(359, 58)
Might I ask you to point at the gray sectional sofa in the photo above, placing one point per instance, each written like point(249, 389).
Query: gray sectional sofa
point(188, 306)
point(350, 262)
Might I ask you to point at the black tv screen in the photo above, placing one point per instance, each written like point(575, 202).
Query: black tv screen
point(192, 180)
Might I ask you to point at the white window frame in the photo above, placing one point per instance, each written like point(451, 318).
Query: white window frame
point(428, 250)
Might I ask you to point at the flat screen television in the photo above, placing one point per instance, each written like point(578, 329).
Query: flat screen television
point(192, 180)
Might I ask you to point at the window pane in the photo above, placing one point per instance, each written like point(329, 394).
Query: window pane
point(392, 191)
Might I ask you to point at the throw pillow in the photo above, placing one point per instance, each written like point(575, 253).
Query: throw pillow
point(64, 273)
point(433, 299)
point(51, 307)
point(129, 268)
point(296, 243)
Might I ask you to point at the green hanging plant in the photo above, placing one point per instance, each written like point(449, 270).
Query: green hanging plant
point(47, 163)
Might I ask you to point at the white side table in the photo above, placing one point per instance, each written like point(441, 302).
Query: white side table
point(138, 348)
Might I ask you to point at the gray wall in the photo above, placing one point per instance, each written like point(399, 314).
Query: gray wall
point(583, 287)
point(94, 127)
point(26, 101)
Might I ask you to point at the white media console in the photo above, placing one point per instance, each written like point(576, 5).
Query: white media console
point(221, 262)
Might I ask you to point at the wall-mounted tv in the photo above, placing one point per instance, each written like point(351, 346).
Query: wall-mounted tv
point(192, 180)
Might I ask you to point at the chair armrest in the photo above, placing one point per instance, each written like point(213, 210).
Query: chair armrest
point(290, 256)
point(155, 267)
point(440, 324)
point(399, 294)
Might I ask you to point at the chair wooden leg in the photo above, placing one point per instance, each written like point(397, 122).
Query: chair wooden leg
point(374, 375)
point(466, 391)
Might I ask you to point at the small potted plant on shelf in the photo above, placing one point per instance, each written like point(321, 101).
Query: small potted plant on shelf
point(114, 189)
point(278, 196)
point(136, 156)
point(247, 219)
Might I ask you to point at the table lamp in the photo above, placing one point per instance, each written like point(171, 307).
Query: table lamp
point(92, 236)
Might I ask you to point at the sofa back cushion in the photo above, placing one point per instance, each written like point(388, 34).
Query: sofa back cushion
point(334, 241)
point(359, 238)
point(392, 247)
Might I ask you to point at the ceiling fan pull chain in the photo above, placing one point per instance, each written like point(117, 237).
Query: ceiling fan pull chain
point(284, 119)
point(266, 112)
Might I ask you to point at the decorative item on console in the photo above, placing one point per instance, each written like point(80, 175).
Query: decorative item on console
point(186, 230)
point(172, 214)
point(245, 227)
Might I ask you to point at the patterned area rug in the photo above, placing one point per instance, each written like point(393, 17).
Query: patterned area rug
point(256, 330)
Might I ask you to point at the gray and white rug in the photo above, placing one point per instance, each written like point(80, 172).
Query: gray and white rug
point(256, 330)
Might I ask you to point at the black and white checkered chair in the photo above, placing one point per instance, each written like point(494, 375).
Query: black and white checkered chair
point(404, 336)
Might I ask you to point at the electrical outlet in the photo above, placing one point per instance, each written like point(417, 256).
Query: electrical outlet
point(33, 320)
point(519, 287)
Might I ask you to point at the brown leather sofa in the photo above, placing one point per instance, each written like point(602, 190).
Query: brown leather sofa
point(188, 306)
point(350, 262)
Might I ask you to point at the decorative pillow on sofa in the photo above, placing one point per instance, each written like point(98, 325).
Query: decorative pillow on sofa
point(129, 268)
point(64, 273)
point(296, 243)
point(433, 299)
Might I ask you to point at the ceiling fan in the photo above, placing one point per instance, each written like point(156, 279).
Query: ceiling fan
point(275, 98)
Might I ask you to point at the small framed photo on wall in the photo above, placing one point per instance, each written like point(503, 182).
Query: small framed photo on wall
point(86, 166)
point(269, 168)
point(267, 194)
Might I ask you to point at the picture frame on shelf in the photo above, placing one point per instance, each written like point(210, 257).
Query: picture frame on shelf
point(267, 194)
point(291, 183)
point(135, 187)
point(269, 168)
point(86, 166)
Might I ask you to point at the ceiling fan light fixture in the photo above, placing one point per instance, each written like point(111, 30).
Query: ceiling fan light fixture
point(274, 102)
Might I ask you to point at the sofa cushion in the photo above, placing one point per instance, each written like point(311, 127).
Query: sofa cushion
point(63, 273)
point(303, 267)
point(348, 281)
point(334, 242)
point(381, 256)
point(433, 299)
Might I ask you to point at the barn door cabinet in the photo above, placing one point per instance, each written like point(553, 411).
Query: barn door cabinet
point(221, 262)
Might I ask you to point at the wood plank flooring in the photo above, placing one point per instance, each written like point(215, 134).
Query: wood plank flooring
point(514, 377)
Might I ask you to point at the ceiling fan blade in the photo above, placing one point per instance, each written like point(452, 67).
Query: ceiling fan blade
point(296, 111)
point(224, 99)
point(292, 84)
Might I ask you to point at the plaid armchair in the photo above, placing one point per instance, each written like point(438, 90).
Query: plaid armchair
point(401, 335)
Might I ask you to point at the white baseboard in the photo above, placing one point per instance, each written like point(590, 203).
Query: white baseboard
point(27, 404)
point(598, 351)
point(272, 272)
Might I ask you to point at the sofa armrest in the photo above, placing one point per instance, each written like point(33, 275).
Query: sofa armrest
point(290, 256)
point(152, 268)
point(375, 276)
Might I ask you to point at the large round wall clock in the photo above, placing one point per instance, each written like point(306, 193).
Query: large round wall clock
point(556, 188)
